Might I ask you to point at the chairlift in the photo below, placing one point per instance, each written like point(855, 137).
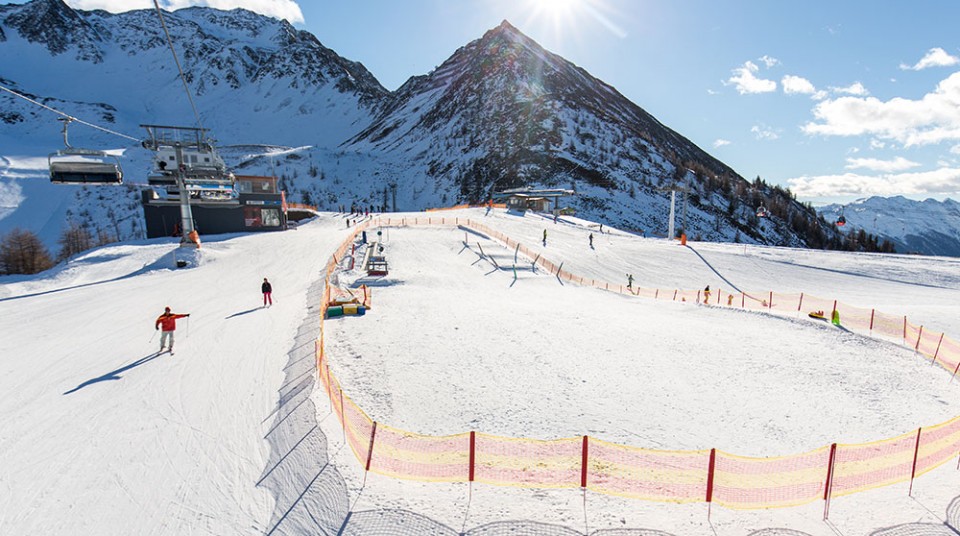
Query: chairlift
point(841, 221)
point(73, 165)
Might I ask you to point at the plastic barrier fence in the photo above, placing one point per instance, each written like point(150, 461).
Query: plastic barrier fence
point(670, 476)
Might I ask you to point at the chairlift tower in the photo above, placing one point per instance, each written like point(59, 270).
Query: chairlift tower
point(673, 189)
point(186, 155)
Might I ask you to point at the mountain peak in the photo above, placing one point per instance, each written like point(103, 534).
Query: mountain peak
point(55, 24)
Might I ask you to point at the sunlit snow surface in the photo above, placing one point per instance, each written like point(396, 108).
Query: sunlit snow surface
point(99, 437)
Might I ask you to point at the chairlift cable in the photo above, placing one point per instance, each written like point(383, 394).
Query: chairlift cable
point(177, 61)
point(66, 115)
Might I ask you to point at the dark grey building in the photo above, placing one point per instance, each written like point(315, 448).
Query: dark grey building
point(254, 205)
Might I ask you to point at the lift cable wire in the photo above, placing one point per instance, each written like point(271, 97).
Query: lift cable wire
point(68, 116)
point(177, 61)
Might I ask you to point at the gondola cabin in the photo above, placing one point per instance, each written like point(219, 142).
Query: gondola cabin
point(841, 221)
point(762, 212)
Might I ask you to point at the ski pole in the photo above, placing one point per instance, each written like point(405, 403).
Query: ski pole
point(152, 336)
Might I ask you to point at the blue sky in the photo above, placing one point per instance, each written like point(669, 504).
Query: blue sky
point(837, 100)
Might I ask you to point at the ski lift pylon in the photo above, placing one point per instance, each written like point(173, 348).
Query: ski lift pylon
point(73, 165)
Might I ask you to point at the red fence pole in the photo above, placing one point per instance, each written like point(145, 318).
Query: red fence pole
point(711, 469)
point(919, 336)
point(675, 294)
point(935, 354)
point(913, 472)
point(800, 305)
point(373, 434)
point(872, 313)
point(473, 453)
point(955, 373)
point(904, 330)
point(828, 485)
point(770, 303)
point(743, 300)
point(583, 464)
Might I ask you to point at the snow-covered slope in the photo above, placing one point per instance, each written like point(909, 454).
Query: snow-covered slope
point(100, 437)
point(929, 227)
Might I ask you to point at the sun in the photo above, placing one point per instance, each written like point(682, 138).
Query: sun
point(556, 8)
point(567, 18)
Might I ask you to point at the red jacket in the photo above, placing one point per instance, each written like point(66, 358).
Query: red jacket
point(168, 321)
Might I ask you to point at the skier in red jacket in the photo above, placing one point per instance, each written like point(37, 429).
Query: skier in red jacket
point(168, 321)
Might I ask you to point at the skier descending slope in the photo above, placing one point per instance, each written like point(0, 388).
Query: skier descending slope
point(168, 321)
point(267, 291)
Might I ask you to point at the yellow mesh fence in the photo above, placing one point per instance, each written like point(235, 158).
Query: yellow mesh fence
point(671, 476)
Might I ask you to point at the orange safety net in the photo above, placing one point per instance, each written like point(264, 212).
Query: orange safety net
point(653, 475)
point(412, 456)
point(504, 461)
point(741, 482)
point(872, 465)
point(674, 476)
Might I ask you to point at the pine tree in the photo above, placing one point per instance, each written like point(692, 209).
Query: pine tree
point(74, 239)
point(22, 252)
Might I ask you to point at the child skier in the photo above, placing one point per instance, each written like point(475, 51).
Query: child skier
point(168, 321)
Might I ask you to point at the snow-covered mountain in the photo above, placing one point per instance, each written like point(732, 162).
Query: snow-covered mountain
point(500, 112)
point(928, 227)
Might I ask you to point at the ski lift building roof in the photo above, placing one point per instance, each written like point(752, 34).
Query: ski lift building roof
point(532, 199)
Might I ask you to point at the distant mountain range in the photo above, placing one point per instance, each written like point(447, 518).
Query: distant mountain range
point(927, 227)
point(501, 112)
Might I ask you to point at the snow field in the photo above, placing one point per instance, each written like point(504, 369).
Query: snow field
point(544, 360)
point(849, 371)
point(99, 437)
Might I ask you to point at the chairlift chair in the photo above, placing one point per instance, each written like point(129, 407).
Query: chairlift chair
point(73, 165)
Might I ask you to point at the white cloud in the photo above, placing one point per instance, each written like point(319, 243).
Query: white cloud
point(885, 166)
point(955, 149)
point(763, 132)
point(935, 57)
point(820, 95)
point(932, 119)
point(281, 9)
point(856, 89)
point(877, 144)
point(769, 61)
point(945, 180)
point(720, 143)
point(797, 85)
point(712, 92)
point(747, 82)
